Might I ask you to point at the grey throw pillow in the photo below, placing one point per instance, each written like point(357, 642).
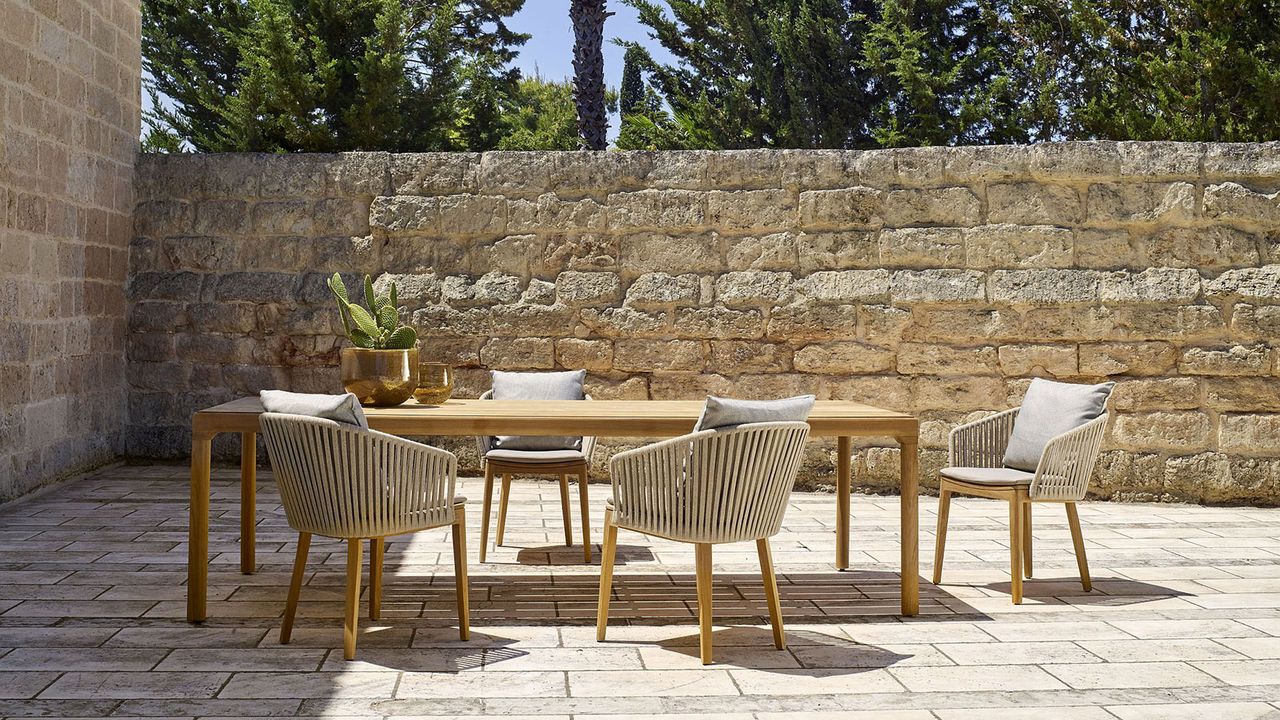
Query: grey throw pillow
point(1048, 410)
point(538, 386)
point(727, 412)
point(339, 408)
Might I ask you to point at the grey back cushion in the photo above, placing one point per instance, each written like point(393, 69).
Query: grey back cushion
point(721, 412)
point(339, 408)
point(538, 386)
point(1048, 410)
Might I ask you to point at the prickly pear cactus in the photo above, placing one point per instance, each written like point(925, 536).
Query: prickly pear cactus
point(377, 326)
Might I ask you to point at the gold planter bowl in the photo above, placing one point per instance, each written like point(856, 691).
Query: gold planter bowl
point(380, 377)
point(435, 383)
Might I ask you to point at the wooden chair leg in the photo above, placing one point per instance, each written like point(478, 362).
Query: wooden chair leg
point(295, 586)
point(460, 571)
point(352, 617)
point(940, 543)
point(586, 510)
point(1077, 539)
point(502, 506)
point(564, 510)
point(1015, 547)
point(771, 592)
point(1026, 539)
point(377, 546)
point(606, 573)
point(703, 555)
point(488, 509)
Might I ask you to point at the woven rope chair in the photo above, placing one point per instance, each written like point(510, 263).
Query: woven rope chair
point(710, 487)
point(976, 467)
point(341, 482)
point(562, 463)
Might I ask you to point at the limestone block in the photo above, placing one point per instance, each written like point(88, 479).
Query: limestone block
point(256, 286)
point(1205, 248)
point(807, 320)
point(1153, 285)
point(588, 288)
point(539, 292)
point(1105, 249)
point(550, 213)
point(956, 207)
point(1248, 160)
point(1059, 361)
point(1033, 204)
point(1165, 430)
point(588, 251)
point(596, 173)
point(958, 394)
point(525, 318)
point(854, 208)
point(359, 173)
point(1255, 321)
point(575, 353)
point(1058, 160)
point(458, 352)
point(1237, 394)
point(625, 322)
point(1187, 323)
point(1236, 360)
point(733, 357)
point(662, 289)
point(1250, 434)
point(922, 247)
point(920, 166)
point(515, 174)
point(837, 250)
point(1044, 287)
point(985, 163)
point(757, 168)
point(660, 209)
point(518, 353)
point(1118, 203)
point(654, 252)
point(513, 254)
point(753, 287)
point(718, 323)
point(931, 359)
point(1253, 284)
point(405, 214)
point(1203, 476)
point(774, 251)
point(1168, 393)
point(283, 217)
point(1134, 358)
point(964, 324)
point(649, 355)
point(415, 254)
point(679, 169)
point(750, 209)
point(887, 391)
point(937, 286)
point(691, 386)
point(1160, 159)
point(162, 218)
point(221, 217)
point(433, 173)
point(489, 289)
point(1017, 246)
point(1235, 202)
point(845, 286)
point(632, 388)
point(473, 215)
point(813, 169)
point(843, 358)
point(290, 176)
point(883, 324)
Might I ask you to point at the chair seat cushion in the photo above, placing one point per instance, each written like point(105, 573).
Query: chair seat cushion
point(538, 386)
point(536, 456)
point(988, 476)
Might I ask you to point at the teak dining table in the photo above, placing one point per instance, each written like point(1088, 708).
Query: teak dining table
point(600, 418)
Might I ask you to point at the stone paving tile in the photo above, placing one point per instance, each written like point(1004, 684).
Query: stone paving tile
point(1185, 614)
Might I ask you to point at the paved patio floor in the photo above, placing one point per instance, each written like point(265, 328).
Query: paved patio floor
point(1184, 620)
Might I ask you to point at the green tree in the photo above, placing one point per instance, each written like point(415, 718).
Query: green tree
point(632, 90)
point(327, 75)
point(540, 116)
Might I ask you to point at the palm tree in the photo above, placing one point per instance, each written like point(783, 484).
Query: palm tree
point(588, 71)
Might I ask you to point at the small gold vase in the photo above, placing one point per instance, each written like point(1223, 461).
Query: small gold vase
point(380, 378)
point(435, 383)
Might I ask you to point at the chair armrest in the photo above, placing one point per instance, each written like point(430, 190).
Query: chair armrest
point(981, 443)
point(1066, 466)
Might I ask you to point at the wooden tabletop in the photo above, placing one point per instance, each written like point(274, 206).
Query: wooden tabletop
point(604, 418)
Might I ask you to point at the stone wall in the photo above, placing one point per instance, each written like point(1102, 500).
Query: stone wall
point(69, 93)
point(936, 280)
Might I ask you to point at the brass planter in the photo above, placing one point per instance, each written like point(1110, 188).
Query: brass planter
point(380, 377)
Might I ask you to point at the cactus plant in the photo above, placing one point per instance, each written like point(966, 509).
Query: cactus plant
point(377, 327)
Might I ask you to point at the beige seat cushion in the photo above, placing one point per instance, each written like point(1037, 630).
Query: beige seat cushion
point(988, 476)
point(536, 456)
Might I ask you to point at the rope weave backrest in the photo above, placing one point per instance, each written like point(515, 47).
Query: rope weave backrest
point(343, 482)
point(1067, 463)
point(714, 486)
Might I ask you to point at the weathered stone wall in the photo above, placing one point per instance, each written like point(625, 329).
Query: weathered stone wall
point(69, 84)
point(934, 280)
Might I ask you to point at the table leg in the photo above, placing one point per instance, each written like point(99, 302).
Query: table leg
point(198, 528)
point(910, 524)
point(844, 486)
point(248, 501)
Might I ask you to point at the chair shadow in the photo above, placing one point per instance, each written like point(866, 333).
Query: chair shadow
point(572, 555)
point(1107, 591)
point(808, 652)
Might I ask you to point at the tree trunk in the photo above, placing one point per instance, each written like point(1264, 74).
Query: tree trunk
point(588, 71)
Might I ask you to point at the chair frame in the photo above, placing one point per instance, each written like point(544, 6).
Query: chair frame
point(381, 485)
point(680, 489)
point(506, 469)
point(1062, 475)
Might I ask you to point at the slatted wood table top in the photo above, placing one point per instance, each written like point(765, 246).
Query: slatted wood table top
point(604, 418)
